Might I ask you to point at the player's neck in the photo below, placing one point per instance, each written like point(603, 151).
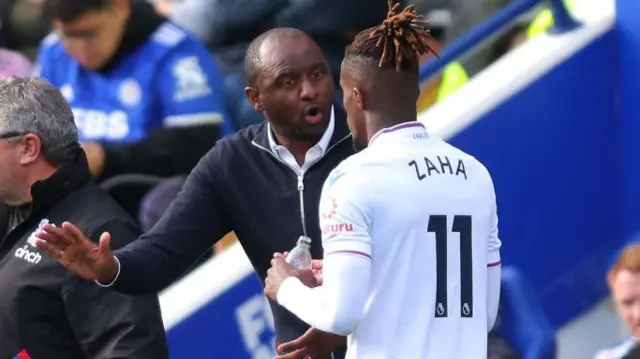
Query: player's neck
point(380, 121)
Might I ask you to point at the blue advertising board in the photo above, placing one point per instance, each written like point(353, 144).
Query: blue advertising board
point(245, 325)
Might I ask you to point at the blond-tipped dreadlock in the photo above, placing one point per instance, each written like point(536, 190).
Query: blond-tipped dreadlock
point(398, 42)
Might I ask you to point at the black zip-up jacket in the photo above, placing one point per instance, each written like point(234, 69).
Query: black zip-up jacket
point(239, 185)
point(50, 313)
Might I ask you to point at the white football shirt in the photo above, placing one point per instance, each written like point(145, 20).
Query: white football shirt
point(409, 229)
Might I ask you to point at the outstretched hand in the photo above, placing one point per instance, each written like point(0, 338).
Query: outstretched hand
point(314, 344)
point(78, 253)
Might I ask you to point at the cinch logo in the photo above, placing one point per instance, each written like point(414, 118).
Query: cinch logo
point(22, 355)
point(28, 255)
point(25, 254)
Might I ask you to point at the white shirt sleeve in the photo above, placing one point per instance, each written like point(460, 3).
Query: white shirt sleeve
point(338, 305)
point(493, 267)
point(345, 220)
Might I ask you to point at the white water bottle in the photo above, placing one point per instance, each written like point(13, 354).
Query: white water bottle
point(300, 255)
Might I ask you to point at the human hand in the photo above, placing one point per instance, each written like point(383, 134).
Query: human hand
point(314, 344)
point(311, 278)
point(279, 271)
point(77, 253)
point(95, 157)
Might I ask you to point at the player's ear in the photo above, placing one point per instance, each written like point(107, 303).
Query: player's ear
point(359, 98)
point(253, 95)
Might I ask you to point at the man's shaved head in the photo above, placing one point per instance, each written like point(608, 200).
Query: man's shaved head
point(290, 83)
point(253, 62)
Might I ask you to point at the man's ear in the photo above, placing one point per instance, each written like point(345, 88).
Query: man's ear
point(359, 97)
point(253, 95)
point(30, 148)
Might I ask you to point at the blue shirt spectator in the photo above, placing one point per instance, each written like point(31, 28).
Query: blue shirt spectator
point(146, 95)
point(170, 80)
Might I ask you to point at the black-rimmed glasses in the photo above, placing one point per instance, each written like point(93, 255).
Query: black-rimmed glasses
point(11, 134)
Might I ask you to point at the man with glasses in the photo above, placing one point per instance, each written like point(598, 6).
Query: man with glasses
point(46, 312)
point(146, 95)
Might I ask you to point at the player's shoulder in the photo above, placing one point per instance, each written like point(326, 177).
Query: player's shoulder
point(471, 163)
point(51, 46)
point(174, 40)
point(352, 171)
point(356, 162)
point(181, 54)
point(168, 35)
point(617, 352)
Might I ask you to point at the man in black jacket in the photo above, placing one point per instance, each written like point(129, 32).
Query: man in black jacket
point(45, 311)
point(264, 182)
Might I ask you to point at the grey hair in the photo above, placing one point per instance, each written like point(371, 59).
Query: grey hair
point(33, 105)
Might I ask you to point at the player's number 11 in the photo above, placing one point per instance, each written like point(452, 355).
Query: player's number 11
point(462, 226)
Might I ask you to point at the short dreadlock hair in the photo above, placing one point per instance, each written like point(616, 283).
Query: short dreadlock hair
point(397, 43)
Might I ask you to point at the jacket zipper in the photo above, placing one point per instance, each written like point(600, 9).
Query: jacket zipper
point(300, 176)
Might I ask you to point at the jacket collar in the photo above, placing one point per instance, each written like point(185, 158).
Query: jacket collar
point(340, 130)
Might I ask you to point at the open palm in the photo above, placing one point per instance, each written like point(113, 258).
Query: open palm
point(77, 253)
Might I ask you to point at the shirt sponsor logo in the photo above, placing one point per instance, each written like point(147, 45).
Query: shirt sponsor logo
point(97, 125)
point(130, 93)
point(337, 228)
point(28, 252)
point(190, 81)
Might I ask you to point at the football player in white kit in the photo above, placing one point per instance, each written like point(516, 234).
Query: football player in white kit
point(411, 265)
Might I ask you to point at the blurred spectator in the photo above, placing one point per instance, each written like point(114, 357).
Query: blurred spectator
point(22, 25)
point(224, 24)
point(146, 95)
point(13, 63)
point(544, 20)
point(516, 35)
point(449, 80)
point(624, 282)
point(463, 16)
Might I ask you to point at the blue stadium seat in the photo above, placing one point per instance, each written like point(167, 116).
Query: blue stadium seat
point(523, 324)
